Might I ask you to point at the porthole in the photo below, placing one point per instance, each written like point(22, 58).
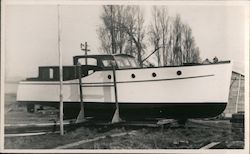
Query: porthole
point(154, 74)
point(133, 75)
point(178, 73)
point(109, 76)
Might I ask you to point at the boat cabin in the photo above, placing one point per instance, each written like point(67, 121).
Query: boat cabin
point(120, 61)
point(89, 64)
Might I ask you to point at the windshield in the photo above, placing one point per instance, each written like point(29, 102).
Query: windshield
point(126, 62)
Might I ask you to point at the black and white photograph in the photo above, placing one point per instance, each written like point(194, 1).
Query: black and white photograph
point(124, 76)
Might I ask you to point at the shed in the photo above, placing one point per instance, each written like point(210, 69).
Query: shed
point(236, 100)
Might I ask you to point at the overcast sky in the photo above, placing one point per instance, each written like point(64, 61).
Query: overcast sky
point(32, 32)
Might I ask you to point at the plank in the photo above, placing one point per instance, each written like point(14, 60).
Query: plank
point(210, 145)
point(25, 134)
point(92, 140)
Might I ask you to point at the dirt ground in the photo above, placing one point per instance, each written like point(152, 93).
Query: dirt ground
point(196, 133)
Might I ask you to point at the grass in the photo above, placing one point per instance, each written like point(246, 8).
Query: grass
point(145, 138)
point(155, 139)
point(48, 141)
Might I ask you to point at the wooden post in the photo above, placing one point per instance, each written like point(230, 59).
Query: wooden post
point(80, 82)
point(115, 87)
point(116, 118)
point(81, 115)
point(61, 73)
point(238, 95)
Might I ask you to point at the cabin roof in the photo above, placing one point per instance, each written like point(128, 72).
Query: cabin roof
point(238, 70)
point(102, 55)
point(99, 57)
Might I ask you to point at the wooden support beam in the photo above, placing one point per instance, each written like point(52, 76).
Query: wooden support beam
point(25, 134)
point(210, 145)
point(116, 118)
point(92, 140)
point(81, 115)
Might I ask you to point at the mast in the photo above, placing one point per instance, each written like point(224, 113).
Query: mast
point(84, 47)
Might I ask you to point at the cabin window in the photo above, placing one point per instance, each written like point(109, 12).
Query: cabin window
point(51, 73)
point(107, 63)
point(90, 71)
point(126, 62)
point(133, 62)
point(123, 62)
point(88, 61)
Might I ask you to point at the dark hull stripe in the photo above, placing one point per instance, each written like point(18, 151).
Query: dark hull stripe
point(143, 110)
point(94, 84)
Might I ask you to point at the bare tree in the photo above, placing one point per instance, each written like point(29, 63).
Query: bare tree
point(124, 25)
point(139, 34)
point(155, 33)
point(159, 30)
point(112, 17)
point(173, 37)
point(106, 31)
point(134, 26)
point(177, 31)
point(195, 56)
point(106, 40)
point(164, 20)
point(123, 31)
point(188, 43)
point(191, 53)
point(170, 45)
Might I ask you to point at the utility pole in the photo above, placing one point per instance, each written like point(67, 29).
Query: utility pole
point(60, 72)
point(84, 47)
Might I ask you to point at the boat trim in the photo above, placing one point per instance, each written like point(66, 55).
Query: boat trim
point(96, 83)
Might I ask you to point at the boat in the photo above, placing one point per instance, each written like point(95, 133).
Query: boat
point(178, 92)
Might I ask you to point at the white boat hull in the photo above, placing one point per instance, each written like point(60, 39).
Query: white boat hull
point(195, 85)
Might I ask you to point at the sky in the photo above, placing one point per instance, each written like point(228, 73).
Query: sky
point(31, 33)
